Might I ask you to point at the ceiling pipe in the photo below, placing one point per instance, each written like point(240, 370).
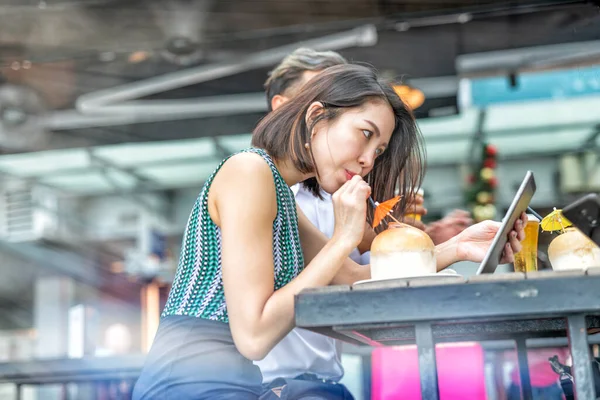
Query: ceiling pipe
point(135, 112)
point(504, 62)
point(114, 97)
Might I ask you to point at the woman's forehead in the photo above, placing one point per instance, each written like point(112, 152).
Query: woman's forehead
point(379, 112)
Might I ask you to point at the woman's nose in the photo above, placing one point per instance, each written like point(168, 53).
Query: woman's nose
point(366, 160)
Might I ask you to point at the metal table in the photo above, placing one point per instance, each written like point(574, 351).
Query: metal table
point(485, 307)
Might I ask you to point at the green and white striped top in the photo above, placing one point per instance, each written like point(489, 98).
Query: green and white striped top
point(198, 285)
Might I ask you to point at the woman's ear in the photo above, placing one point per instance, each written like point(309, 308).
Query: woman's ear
point(313, 111)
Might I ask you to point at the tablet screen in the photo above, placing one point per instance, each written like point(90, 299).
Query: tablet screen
point(519, 204)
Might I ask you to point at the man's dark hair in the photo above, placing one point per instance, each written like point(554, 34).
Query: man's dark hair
point(289, 72)
point(287, 76)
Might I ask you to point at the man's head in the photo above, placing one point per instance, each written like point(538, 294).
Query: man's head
point(294, 71)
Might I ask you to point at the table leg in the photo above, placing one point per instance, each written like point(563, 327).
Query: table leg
point(64, 391)
point(526, 391)
point(427, 361)
point(367, 377)
point(580, 352)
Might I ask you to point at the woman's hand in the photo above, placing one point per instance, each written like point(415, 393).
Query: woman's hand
point(473, 243)
point(350, 210)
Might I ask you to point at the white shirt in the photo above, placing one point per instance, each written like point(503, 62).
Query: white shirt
point(303, 351)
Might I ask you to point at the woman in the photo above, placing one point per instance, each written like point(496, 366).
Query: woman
point(247, 250)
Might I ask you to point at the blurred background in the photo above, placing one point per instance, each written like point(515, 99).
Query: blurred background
point(113, 113)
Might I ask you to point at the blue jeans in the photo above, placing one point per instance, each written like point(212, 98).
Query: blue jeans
point(305, 387)
point(195, 359)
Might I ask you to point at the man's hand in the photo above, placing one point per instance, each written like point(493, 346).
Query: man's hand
point(414, 212)
point(416, 223)
point(449, 226)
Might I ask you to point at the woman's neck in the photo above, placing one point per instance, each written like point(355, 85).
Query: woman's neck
point(290, 173)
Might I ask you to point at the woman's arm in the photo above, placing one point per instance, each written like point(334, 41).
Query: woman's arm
point(314, 240)
point(242, 201)
point(471, 244)
point(445, 254)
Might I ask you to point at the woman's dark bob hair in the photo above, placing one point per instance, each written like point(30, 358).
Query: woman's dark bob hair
point(284, 132)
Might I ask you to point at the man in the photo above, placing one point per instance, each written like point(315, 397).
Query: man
point(304, 361)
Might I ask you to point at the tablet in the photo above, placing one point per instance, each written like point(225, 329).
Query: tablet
point(519, 204)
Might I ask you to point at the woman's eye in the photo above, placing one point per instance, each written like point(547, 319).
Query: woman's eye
point(367, 133)
point(379, 152)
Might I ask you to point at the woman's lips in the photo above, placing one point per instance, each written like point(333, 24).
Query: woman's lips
point(349, 174)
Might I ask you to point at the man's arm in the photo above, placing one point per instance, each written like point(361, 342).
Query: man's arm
point(449, 226)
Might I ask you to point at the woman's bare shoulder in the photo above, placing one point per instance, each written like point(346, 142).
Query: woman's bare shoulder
point(246, 170)
point(244, 182)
